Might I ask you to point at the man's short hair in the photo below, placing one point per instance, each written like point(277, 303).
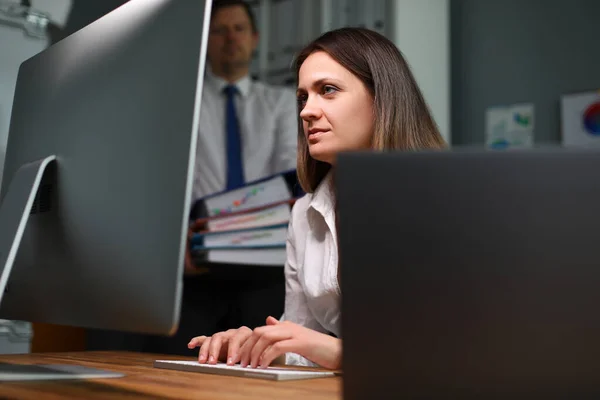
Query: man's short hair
point(218, 4)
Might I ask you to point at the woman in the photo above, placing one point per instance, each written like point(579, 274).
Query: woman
point(355, 92)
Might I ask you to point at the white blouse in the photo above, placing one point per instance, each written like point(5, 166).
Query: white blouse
point(312, 297)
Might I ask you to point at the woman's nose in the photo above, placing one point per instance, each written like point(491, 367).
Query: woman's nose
point(310, 111)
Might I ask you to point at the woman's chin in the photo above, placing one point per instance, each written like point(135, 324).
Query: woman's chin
point(320, 154)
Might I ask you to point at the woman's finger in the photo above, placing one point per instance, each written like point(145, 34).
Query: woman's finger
point(218, 340)
point(276, 350)
point(238, 339)
point(245, 351)
point(196, 341)
point(203, 353)
point(269, 338)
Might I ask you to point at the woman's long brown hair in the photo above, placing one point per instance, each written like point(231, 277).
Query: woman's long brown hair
point(402, 120)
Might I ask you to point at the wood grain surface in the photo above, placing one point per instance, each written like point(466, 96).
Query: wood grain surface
point(142, 380)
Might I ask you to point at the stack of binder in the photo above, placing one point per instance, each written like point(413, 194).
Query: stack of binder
point(247, 225)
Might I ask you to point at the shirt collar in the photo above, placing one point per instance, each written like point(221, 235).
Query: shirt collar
point(323, 198)
point(243, 84)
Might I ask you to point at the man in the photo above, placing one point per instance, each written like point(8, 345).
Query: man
point(267, 115)
point(247, 131)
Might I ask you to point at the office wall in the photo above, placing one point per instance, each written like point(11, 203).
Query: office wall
point(421, 30)
point(510, 51)
point(16, 47)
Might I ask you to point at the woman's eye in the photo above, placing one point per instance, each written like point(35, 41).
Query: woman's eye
point(328, 89)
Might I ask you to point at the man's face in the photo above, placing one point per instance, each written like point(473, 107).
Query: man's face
point(231, 41)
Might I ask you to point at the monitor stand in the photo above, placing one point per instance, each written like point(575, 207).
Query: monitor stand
point(14, 213)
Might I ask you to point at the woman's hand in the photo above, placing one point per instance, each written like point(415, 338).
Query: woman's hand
point(268, 342)
point(222, 346)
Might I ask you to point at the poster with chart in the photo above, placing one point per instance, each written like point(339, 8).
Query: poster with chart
point(580, 119)
point(509, 126)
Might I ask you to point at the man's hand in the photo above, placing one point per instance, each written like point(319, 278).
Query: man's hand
point(189, 267)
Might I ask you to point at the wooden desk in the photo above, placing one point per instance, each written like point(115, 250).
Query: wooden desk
point(144, 381)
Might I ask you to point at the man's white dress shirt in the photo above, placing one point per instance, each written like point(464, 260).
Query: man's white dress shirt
point(267, 117)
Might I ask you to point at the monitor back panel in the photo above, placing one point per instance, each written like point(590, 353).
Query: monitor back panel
point(117, 103)
point(470, 274)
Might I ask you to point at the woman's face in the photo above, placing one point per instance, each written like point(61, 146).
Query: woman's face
point(335, 106)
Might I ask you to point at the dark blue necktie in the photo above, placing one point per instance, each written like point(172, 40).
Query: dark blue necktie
point(235, 168)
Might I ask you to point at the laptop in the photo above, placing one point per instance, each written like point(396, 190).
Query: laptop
point(470, 274)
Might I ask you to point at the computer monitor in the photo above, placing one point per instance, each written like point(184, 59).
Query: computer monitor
point(470, 274)
point(97, 180)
